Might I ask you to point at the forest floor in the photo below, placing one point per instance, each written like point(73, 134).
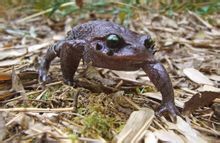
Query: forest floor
point(111, 105)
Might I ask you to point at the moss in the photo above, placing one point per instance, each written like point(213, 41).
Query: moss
point(96, 125)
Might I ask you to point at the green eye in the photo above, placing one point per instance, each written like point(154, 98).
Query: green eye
point(113, 41)
point(148, 43)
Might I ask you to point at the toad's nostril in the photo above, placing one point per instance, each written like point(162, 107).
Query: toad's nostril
point(98, 47)
point(110, 53)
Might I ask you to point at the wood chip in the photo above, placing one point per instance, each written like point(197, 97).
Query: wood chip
point(197, 77)
point(136, 124)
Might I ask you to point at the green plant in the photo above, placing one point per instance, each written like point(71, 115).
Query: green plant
point(96, 124)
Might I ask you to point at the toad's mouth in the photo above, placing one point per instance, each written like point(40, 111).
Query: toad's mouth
point(130, 58)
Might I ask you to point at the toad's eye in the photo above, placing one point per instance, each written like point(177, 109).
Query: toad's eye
point(113, 41)
point(149, 43)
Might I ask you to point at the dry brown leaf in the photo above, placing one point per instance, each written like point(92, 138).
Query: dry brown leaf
point(197, 76)
point(199, 100)
point(5, 76)
point(6, 94)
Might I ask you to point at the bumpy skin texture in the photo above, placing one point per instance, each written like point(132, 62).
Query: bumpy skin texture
point(108, 45)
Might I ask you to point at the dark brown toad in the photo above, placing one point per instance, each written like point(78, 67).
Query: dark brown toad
point(109, 45)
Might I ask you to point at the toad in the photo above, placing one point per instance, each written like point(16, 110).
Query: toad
point(109, 45)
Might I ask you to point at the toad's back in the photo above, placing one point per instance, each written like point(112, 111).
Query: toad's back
point(95, 29)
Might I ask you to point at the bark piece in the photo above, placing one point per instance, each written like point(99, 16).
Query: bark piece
point(137, 123)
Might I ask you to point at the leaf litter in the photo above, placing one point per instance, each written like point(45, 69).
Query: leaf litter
point(107, 104)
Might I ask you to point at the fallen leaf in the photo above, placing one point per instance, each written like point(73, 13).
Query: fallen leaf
point(215, 77)
point(58, 37)
point(157, 95)
point(6, 94)
point(10, 62)
point(150, 137)
point(185, 129)
point(36, 47)
point(127, 75)
point(12, 53)
point(39, 128)
point(208, 88)
point(5, 76)
point(133, 76)
point(196, 76)
point(92, 73)
point(16, 32)
point(199, 100)
point(168, 136)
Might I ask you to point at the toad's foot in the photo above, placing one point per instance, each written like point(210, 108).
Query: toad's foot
point(69, 82)
point(43, 77)
point(168, 107)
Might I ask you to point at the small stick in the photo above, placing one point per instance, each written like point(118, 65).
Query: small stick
point(119, 84)
point(36, 109)
point(132, 103)
point(201, 20)
point(215, 133)
point(42, 13)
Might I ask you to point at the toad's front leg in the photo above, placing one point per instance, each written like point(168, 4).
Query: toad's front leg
point(160, 78)
point(70, 53)
point(70, 56)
